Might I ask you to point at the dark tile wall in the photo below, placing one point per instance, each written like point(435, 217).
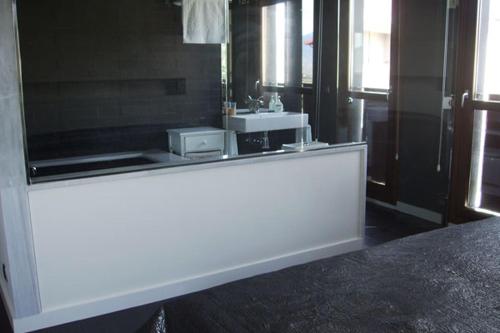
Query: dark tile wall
point(111, 75)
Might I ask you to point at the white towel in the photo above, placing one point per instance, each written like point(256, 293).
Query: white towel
point(205, 21)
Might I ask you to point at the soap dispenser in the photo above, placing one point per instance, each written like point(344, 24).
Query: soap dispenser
point(278, 107)
point(272, 104)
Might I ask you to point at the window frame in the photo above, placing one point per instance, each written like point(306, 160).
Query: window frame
point(387, 192)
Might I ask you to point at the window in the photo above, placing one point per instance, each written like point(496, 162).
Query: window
point(279, 41)
point(370, 45)
point(307, 41)
point(484, 183)
point(365, 28)
point(273, 44)
point(488, 51)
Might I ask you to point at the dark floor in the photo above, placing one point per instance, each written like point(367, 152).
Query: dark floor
point(382, 225)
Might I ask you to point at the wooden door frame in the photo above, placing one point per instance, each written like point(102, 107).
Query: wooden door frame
point(463, 110)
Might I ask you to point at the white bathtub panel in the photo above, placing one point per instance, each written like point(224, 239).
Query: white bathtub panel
point(105, 239)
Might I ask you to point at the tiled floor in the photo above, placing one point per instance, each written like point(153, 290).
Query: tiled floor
point(382, 225)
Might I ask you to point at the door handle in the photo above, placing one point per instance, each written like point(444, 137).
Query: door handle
point(465, 97)
point(388, 96)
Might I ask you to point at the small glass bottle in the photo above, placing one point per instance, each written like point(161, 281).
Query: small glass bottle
point(272, 104)
point(278, 107)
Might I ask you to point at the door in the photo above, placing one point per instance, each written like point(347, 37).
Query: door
point(475, 186)
point(368, 84)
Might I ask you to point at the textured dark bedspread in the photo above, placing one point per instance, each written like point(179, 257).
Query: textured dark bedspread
point(446, 280)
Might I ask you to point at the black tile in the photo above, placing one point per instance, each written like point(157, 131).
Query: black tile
point(383, 225)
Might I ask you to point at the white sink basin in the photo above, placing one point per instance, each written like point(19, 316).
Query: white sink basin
point(265, 121)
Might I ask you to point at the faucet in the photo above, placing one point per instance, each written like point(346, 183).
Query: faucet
point(257, 86)
point(254, 104)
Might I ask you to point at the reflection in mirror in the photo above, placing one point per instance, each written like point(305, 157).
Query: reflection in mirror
point(272, 55)
point(105, 89)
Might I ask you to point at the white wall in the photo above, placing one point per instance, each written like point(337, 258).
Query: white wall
point(16, 253)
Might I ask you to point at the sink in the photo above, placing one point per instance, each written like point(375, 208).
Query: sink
point(265, 121)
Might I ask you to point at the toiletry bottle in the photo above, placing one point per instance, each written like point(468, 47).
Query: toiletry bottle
point(278, 107)
point(272, 104)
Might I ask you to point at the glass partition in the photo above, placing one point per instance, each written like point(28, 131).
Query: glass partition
point(396, 63)
point(112, 87)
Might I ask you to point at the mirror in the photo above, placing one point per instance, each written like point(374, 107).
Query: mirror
point(271, 47)
point(270, 56)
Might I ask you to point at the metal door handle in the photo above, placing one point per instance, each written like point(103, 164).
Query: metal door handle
point(465, 97)
point(388, 96)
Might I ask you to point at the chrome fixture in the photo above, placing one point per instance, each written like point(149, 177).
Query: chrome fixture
point(257, 86)
point(259, 139)
point(265, 140)
point(254, 104)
